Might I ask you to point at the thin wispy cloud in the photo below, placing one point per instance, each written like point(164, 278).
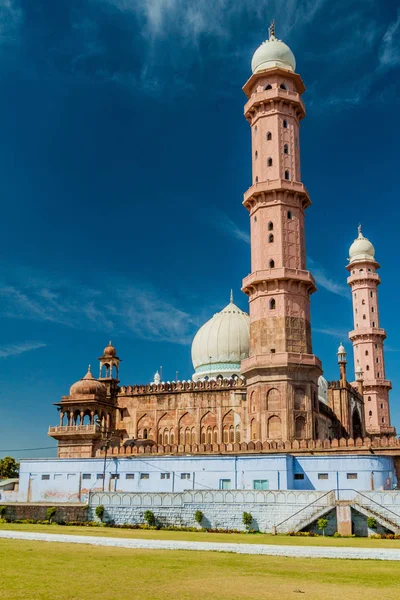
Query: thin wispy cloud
point(19, 348)
point(324, 280)
point(390, 49)
point(225, 223)
point(339, 333)
point(119, 307)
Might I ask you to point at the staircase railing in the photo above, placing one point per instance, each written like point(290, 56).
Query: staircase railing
point(377, 504)
point(305, 508)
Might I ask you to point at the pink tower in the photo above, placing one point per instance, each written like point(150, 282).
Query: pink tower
point(367, 335)
point(281, 371)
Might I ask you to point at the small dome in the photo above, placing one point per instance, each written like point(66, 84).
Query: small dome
point(273, 53)
point(88, 385)
point(110, 351)
point(361, 248)
point(341, 349)
point(222, 343)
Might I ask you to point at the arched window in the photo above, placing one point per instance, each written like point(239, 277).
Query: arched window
point(372, 309)
point(269, 162)
point(268, 87)
point(369, 398)
point(371, 294)
point(377, 359)
point(255, 128)
point(289, 215)
point(367, 367)
point(256, 154)
point(283, 86)
point(285, 124)
point(287, 175)
point(363, 302)
point(271, 264)
point(257, 179)
point(272, 304)
point(145, 434)
point(366, 353)
point(370, 413)
point(373, 323)
point(286, 149)
point(364, 317)
point(270, 238)
point(270, 226)
point(269, 136)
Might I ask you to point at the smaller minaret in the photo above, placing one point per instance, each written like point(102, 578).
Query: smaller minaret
point(109, 369)
point(342, 360)
point(368, 336)
point(156, 379)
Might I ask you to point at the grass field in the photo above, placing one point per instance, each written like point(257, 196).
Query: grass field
point(189, 536)
point(49, 571)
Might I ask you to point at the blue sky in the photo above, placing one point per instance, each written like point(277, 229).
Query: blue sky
point(124, 155)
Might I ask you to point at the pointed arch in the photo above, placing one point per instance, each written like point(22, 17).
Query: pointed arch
point(273, 399)
point(300, 428)
point(299, 399)
point(274, 428)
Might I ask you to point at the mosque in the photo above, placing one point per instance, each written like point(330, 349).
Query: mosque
point(257, 390)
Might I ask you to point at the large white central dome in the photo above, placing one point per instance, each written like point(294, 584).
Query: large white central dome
point(221, 344)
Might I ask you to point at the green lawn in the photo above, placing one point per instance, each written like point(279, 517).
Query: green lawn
point(260, 538)
point(47, 571)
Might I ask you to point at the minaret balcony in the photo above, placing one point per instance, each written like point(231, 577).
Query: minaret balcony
point(252, 282)
point(266, 99)
point(367, 332)
point(364, 276)
point(276, 191)
point(275, 360)
point(372, 383)
point(61, 432)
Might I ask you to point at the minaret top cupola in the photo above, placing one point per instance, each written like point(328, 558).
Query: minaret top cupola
point(273, 53)
point(361, 249)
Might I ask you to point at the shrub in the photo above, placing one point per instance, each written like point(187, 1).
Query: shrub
point(150, 518)
point(198, 516)
point(247, 519)
point(322, 524)
point(371, 522)
point(3, 511)
point(50, 513)
point(99, 512)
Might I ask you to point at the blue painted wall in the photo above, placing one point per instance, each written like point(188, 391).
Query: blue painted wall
point(71, 480)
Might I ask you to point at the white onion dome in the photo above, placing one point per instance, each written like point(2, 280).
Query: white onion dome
point(221, 344)
point(273, 53)
point(341, 349)
point(88, 385)
point(361, 248)
point(322, 390)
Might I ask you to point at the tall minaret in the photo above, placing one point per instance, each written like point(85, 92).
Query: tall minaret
point(367, 335)
point(281, 371)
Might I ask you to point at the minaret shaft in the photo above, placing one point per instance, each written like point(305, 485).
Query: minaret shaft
point(281, 371)
point(368, 337)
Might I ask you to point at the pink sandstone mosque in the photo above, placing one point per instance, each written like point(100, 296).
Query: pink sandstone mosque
point(257, 385)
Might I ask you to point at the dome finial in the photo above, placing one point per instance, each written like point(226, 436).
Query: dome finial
point(231, 297)
point(88, 369)
point(271, 30)
point(360, 233)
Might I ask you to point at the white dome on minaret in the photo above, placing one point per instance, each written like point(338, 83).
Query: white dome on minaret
point(221, 344)
point(361, 248)
point(273, 53)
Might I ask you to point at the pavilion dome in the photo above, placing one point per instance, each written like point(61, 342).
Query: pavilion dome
point(110, 351)
point(361, 248)
point(88, 385)
point(221, 344)
point(273, 53)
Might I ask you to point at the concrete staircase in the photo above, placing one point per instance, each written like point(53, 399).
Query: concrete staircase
point(308, 514)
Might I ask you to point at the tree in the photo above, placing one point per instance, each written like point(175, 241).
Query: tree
point(9, 468)
point(322, 524)
point(247, 520)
